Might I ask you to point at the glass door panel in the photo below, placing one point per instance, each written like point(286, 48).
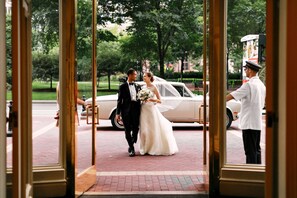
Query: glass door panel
point(84, 129)
point(243, 44)
point(45, 77)
point(3, 96)
point(7, 66)
point(225, 177)
point(84, 83)
point(85, 167)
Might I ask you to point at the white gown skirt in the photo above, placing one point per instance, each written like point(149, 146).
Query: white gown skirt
point(156, 134)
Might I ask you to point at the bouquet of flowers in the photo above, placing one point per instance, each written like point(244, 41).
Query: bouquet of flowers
point(144, 94)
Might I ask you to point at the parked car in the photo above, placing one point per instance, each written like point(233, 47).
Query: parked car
point(180, 105)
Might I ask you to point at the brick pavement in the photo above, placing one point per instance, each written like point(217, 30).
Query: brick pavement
point(180, 174)
point(119, 174)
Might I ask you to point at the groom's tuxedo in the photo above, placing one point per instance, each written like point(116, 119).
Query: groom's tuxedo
point(124, 99)
point(130, 111)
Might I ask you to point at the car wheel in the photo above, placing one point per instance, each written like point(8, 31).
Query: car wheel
point(229, 119)
point(117, 125)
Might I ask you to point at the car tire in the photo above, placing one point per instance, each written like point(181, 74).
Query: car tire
point(229, 119)
point(116, 125)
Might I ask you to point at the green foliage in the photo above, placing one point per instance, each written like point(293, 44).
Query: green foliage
point(108, 58)
point(8, 50)
point(160, 31)
point(45, 25)
point(105, 35)
point(188, 40)
point(139, 46)
point(45, 67)
point(244, 17)
point(176, 75)
point(156, 26)
point(45, 34)
point(234, 76)
point(84, 33)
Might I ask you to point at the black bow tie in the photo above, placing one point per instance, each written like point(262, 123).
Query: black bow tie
point(131, 83)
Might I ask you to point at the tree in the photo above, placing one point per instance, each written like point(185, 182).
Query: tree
point(244, 17)
point(45, 25)
point(45, 32)
point(8, 50)
point(137, 48)
point(188, 40)
point(45, 67)
point(108, 59)
point(160, 19)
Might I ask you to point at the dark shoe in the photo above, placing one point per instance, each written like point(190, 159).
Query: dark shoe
point(132, 154)
point(131, 151)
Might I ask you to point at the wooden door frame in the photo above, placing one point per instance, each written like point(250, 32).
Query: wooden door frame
point(22, 177)
point(291, 105)
point(67, 10)
point(281, 177)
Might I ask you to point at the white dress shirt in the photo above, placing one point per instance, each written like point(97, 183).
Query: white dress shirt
point(252, 95)
point(132, 92)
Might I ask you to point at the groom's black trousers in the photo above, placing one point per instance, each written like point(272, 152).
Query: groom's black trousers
point(131, 123)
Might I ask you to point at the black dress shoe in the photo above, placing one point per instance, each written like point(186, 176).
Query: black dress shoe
point(131, 151)
point(132, 154)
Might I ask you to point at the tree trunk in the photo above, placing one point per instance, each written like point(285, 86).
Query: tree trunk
point(161, 62)
point(160, 44)
point(109, 79)
point(182, 69)
point(51, 82)
point(160, 51)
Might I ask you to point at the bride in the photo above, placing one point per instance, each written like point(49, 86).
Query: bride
point(156, 134)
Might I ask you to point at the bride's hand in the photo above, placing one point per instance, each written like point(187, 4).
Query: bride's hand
point(153, 100)
point(150, 100)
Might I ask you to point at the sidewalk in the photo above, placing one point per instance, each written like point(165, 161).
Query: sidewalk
point(179, 175)
point(118, 174)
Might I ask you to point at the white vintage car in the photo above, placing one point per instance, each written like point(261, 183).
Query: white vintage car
point(178, 105)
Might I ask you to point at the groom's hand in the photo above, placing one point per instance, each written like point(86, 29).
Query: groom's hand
point(118, 117)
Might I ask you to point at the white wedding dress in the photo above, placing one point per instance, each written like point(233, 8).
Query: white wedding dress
point(156, 134)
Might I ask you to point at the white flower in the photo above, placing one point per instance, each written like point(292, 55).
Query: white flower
point(144, 94)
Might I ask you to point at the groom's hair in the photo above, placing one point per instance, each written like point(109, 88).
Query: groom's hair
point(130, 71)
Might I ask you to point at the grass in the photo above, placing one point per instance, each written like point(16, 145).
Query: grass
point(42, 91)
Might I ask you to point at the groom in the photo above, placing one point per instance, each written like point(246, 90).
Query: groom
point(128, 106)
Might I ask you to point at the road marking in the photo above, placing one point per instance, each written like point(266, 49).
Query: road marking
point(36, 134)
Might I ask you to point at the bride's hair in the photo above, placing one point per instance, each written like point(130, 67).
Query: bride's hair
point(150, 75)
